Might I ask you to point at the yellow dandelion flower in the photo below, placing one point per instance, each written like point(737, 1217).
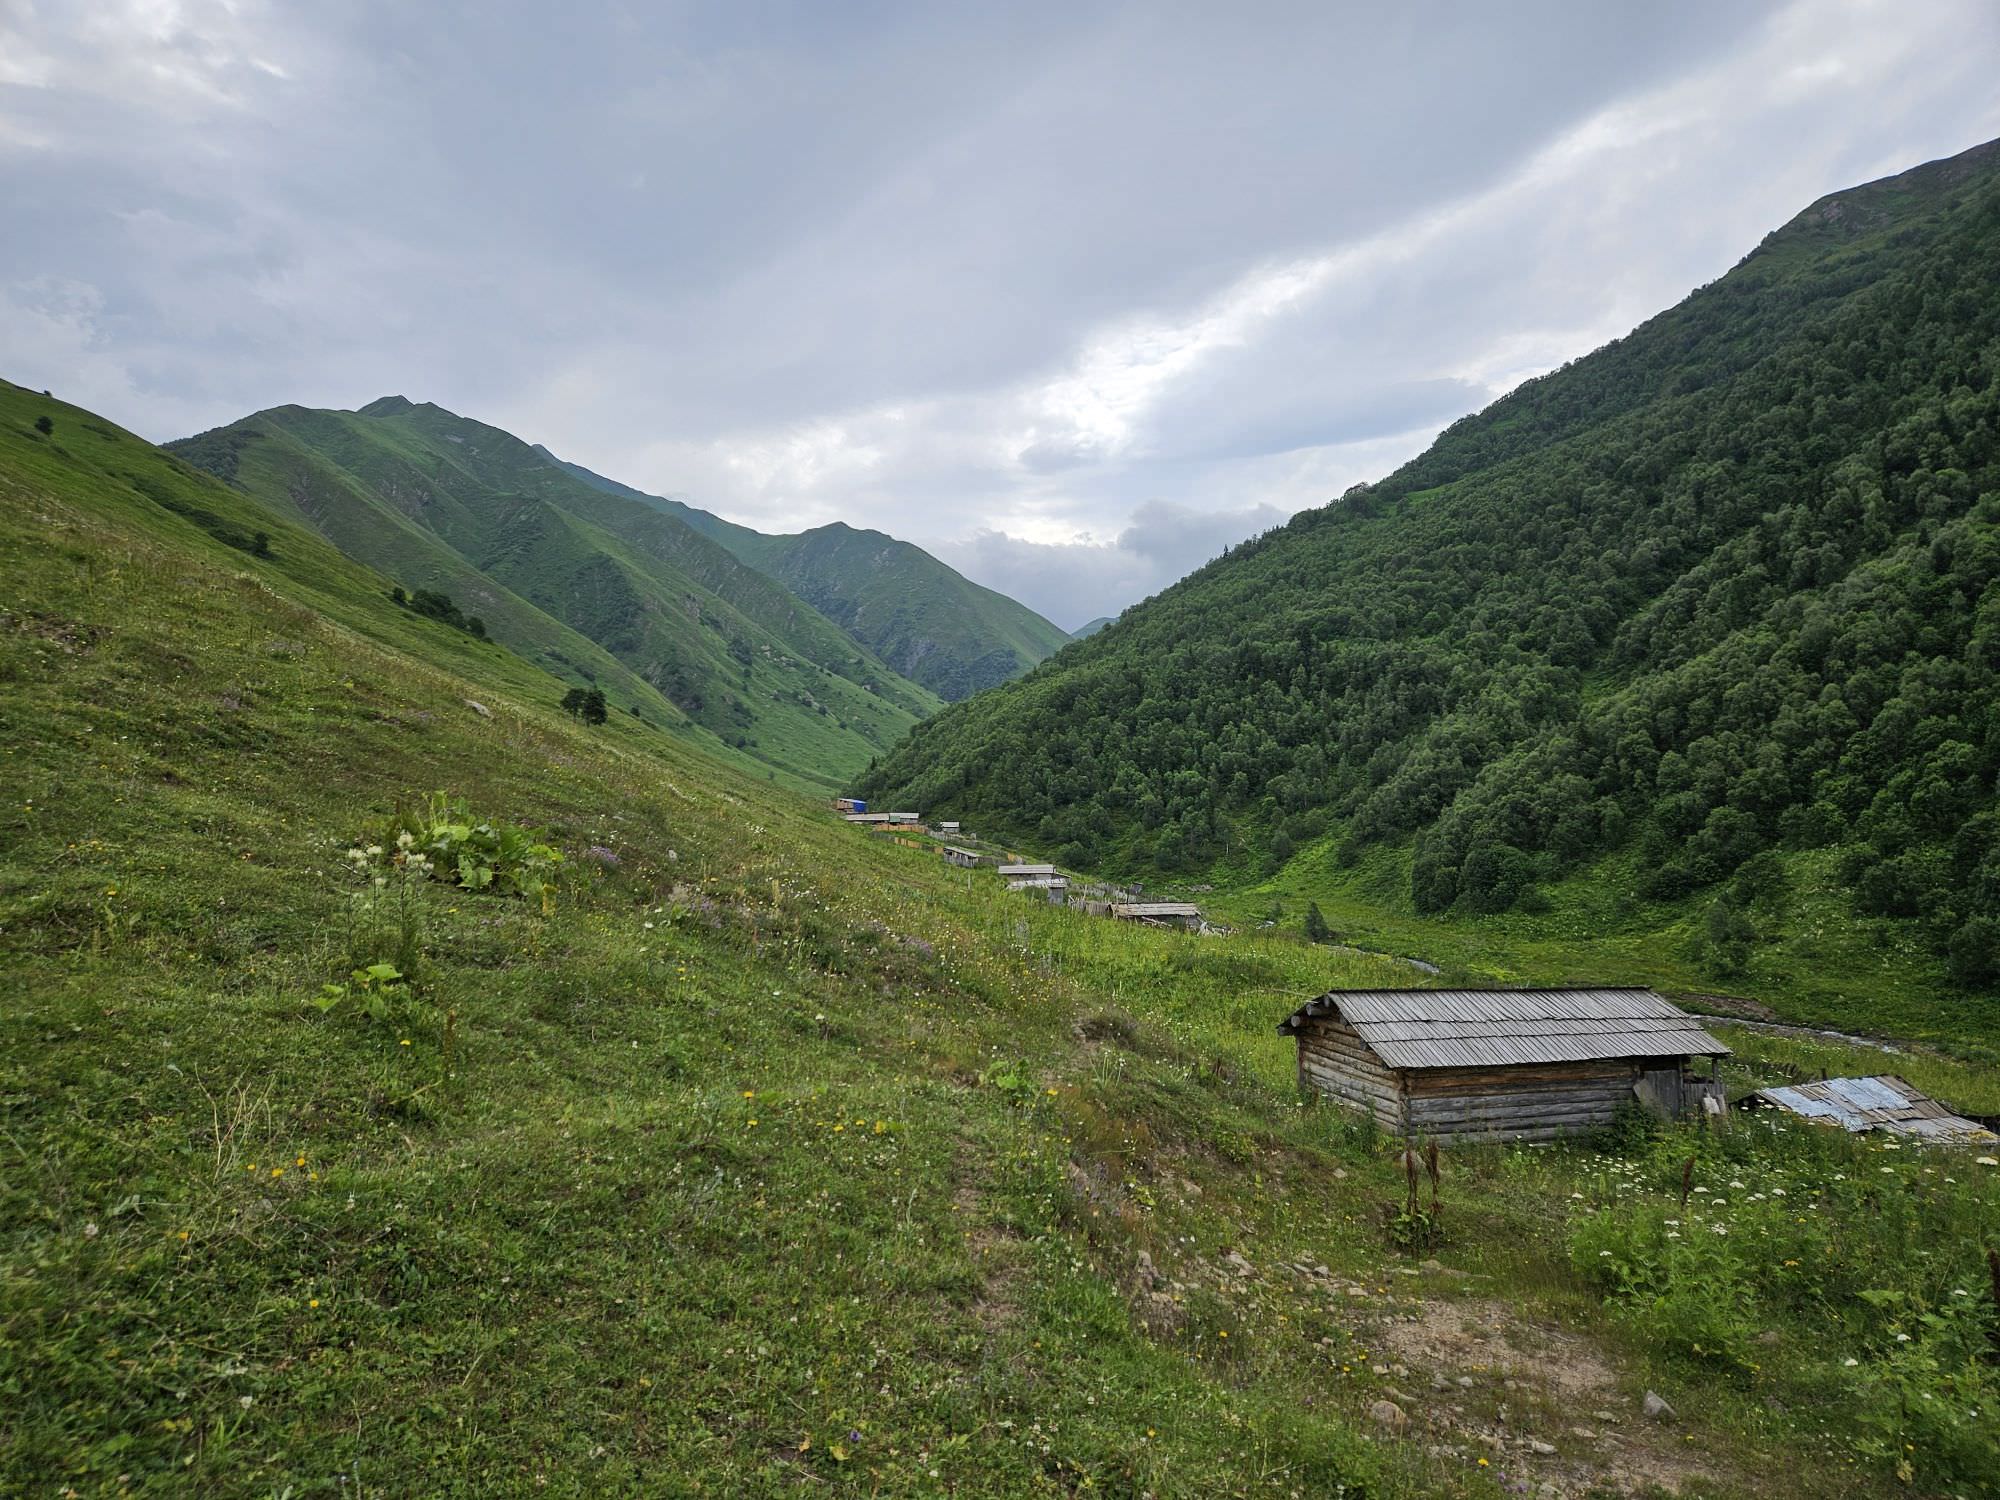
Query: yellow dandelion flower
point(277, 1171)
point(404, 1042)
point(313, 1303)
point(753, 1122)
point(300, 1162)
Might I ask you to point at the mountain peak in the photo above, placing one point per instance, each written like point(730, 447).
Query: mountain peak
point(387, 406)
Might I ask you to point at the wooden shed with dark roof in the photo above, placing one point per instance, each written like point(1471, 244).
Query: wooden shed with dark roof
point(1506, 1063)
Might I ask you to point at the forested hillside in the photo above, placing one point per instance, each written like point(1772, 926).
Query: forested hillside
point(1722, 590)
point(597, 587)
point(928, 621)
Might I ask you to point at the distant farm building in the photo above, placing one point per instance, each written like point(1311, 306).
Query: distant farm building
point(849, 805)
point(1883, 1102)
point(906, 817)
point(1506, 1064)
point(1012, 873)
point(1036, 878)
point(868, 819)
point(948, 827)
point(964, 858)
point(1159, 913)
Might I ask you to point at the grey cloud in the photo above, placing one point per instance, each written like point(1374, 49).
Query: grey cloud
point(1073, 583)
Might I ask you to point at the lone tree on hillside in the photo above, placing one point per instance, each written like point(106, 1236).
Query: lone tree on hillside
point(1316, 929)
point(586, 704)
point(44, 426)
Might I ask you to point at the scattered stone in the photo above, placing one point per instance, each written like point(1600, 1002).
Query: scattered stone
point(1656, 1407)
point(1769, 1337)
point(1242, 1267)
point(1340, 1174)
point(1378, 1371)
point(1605, 1416)
point(1536, 1445)
point(1357, 1291)
point(1388, 1414)
point(1148, 1277)
point(1401, 1372)
point(1588, 1434)
point(479, 708)
point(1322, 1272)
point(1438, 1382)
point(1465, 1382)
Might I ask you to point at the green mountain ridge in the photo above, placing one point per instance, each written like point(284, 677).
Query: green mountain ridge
point(693, 635)
point(922, 617)
point(1719, 594)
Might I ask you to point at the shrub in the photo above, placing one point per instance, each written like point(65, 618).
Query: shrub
point(445, 842)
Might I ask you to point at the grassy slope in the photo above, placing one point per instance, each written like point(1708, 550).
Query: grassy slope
point(665, 601)
point(725, 1190)
point(1817, 964)
point(928, 621)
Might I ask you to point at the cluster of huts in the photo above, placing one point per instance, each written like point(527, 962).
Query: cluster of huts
point(1534, 1064)
point(1046, 880)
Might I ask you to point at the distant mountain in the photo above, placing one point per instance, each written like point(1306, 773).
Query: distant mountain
point(589, 582)
point(929, 622)
point(1092, 628)
point(1723, 595)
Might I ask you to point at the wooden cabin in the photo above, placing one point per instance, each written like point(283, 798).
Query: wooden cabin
point(1011, 873)
point(964, 858)
point(1517, 1065)
point(1159, 913)
point(849, 805)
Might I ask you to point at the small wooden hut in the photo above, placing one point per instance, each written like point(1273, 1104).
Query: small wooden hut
point(1159, 913)
point(964, 858)
point(1883, 1102)
point(1507, 1064)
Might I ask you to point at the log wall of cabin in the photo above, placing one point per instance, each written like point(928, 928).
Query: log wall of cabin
point(1522, 1103)
point(1527, 1102)
point(1334, 1061)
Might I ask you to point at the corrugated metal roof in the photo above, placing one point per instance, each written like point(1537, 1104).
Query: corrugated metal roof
point(1027, 869)
point(1883, 1102)
point(1156, 909)
point(1489, 1028)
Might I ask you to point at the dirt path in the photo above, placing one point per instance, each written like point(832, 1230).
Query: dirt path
point(1541, 1404)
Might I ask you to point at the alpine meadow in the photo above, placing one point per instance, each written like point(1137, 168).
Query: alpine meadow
point(520, 981)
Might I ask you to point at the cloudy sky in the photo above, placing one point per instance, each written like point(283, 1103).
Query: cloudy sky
point(1073, 294)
